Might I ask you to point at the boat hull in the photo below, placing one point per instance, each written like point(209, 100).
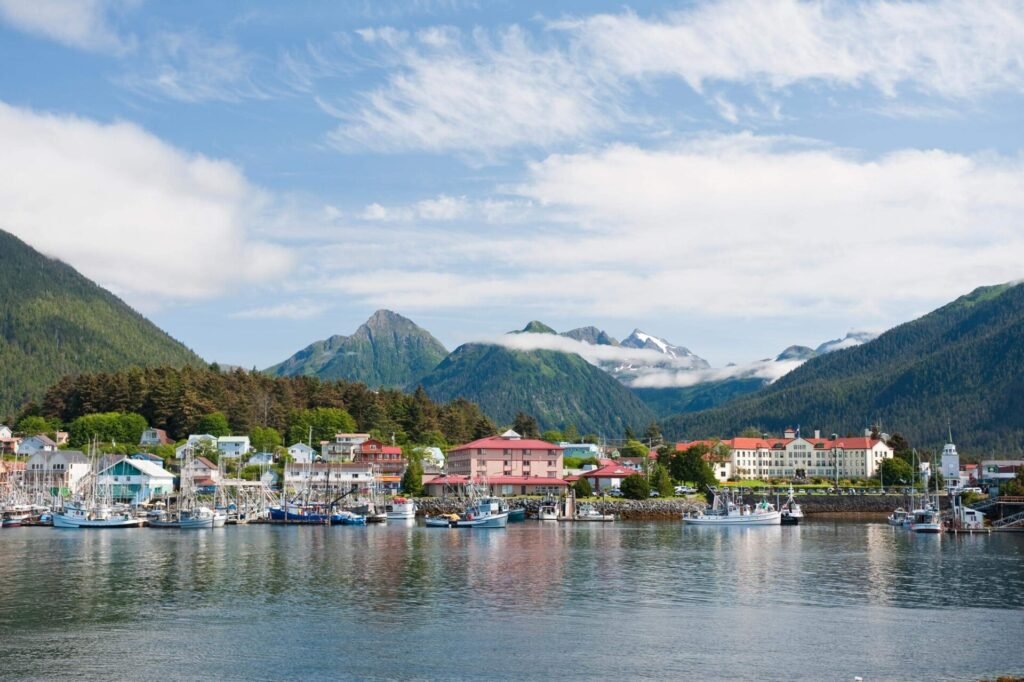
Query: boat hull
point(62, 521)
point(282, 516)
point(767, 519)
point(515, 515)
point(789, 520)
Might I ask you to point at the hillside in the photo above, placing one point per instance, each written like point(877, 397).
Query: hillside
point(54, 321)
point(388, 350)
point(963, 363)
point(557, 388)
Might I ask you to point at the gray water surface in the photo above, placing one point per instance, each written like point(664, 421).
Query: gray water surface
point(829, 600)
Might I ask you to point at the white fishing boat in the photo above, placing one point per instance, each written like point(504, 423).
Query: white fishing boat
point(588, 512)
point(189, 514)
point(92, 515)
point(477, 515)
point(548, 512)
point(725, 512)
point(926, 521)
point(899, 518)
point(400, 509)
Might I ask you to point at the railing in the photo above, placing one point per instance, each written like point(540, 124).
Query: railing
point(1013, 520)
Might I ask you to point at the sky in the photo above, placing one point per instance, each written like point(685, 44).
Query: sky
point(735, 176)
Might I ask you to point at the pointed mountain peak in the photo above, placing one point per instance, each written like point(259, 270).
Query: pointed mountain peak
point(386, 318)
point(591, 335)
point(853, 338)
point(536, 327)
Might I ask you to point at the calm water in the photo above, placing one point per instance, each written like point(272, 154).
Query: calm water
point(827, 600)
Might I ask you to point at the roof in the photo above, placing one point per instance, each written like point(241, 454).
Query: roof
point(610, 471)
point(499, 443)
point(499, 480)
point(205, 462)
point(148, 456)
point(743, 443)
point(42, 438)
point(233, 439)
point(301, 445)
point(148, 468)
point(161, 435)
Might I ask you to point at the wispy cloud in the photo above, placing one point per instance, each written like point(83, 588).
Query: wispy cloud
point(189, 67)
point(296, 310)
point(81, 24)
point(447, 91)
point(100, 196)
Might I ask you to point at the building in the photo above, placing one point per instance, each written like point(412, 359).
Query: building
point(432, 457)
point(442, 486)
point(155, 437)
point(388, 459)
point(5, 431)
point(340, 477)
point(999, 470)
point(301, 453)
point(11, 472)
point(261, 459)
point(343, 447)
point(580, 450)
point(608, 477)
point(506, 455)
point(950, 467)
point(196, 442)
point(58, 471)
point(794, 456)
point(147, 457)
point(233, 447)
point(202, 472)
point(34, 444)
point(8, 441)
point(135, 481)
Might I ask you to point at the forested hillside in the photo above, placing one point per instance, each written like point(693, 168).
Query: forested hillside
point(178, 400)
point(962, 364)
point(54, 321)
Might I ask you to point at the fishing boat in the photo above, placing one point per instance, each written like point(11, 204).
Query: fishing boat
point(477, 515)
point(188, 514)
point(347, 518)
point(724, 511)
point(926, 521)
point(790, 512)
point(301, 514)
point(94, 508)
point(899, 518)
point(401, 509)
point(15, 516)
point(588, 512)
point(548, 512)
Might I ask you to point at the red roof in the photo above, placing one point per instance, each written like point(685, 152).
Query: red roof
point(610, 471)
point(499, 443)
point(391, 450)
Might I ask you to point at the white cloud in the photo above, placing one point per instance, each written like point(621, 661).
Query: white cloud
point(297, 310)
point(189, 67)
point(129, 211)
point(447, 91)
point(82, 24)
point(947, 48)
point(768, 370)
point(450, 209)
point(726, 227)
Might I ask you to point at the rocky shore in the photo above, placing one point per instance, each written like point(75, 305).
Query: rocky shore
point(675, 507)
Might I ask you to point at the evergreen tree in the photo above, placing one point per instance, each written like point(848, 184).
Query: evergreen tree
point(582, 487)
point(636, 487)
point(661, 481)
point(214, 424)
point(526, 426)
point(412, 479)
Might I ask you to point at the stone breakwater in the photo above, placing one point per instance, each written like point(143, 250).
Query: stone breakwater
point(674, 508)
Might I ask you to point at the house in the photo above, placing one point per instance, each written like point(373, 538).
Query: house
point(343, 447)
point(608, 477)
point(999, 470)
point(442, 486)
point(387, 459)
point(202, 472)
point(338, 477)
point(11, 472)
point(261, 459)
point(506, 455)
point(155, 437)
point(62, 438)
point(9, 445)
point(196, 442)
point(135, 481)
point(432, 457)
point(301, 453)
point(580, 450)
point(233, 446)
point(59, 471)
point(5, 431)
point(34, 444)
point(147, 457)
point(832, 457)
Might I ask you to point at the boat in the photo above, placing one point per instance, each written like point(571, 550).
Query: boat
point(92, 515)
point(516, 514)
point(302, 514)
point(726, 512)
point(790, 511)
point(15, 516)
point(477, 515)
point(347, 518)
point(899, 517)
point(588, 512)
point(401, 509)
point(548, 512)
point(926, 521)
point(188, 519)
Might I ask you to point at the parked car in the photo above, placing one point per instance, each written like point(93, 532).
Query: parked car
point(654, 493)
point(615, 492)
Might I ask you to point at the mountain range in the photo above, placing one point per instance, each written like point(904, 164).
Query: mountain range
point(55, 322)
point(960, 366)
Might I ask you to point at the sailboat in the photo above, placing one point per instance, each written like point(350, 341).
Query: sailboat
point(927, 519)
point(94, 508)
point(189, 514)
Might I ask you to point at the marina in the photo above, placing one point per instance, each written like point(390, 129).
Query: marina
point(243, 601)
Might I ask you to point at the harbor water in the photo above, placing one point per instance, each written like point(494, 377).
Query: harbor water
point(828, 600)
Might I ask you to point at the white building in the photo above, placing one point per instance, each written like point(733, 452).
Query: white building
point(261, 459)
point(135, 481)
point(791, 456)
point(950, 467)
point(46, 469)
point(196, 441)
point(5, 431)
point(155, 437)
point(233, 446)
point(302, 453)
point(337, 476)
point(34, 444)
point(344, 446)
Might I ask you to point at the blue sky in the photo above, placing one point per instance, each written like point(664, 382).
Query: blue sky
point(735, 176)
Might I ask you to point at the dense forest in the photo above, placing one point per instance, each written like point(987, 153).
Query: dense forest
point(178, 400)
point(961, 366)
point(54, 321)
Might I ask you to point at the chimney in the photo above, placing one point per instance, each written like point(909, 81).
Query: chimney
point(817, 433)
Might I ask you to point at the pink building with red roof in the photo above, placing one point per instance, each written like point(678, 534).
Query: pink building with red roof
point(506, 455)
point(833, 457)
